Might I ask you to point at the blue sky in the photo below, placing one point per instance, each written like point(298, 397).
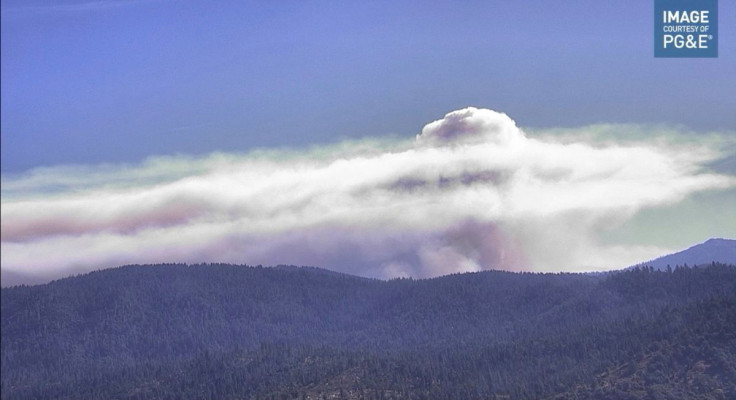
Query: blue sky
point(118, 81)
point(139, 131)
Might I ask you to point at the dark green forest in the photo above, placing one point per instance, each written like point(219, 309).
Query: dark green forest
point(240, 332)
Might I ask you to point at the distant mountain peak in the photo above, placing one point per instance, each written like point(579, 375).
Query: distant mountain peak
point(718, 250)
point(718, 240)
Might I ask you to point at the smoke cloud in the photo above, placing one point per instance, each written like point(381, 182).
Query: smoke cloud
point(472, 191)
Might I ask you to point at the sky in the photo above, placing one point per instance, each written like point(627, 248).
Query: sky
point(377, 138)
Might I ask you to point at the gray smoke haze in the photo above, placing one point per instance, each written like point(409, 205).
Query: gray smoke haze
point(471, 192)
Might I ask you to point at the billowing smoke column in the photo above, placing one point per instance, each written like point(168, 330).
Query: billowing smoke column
point(472, 125)
point(471, 192)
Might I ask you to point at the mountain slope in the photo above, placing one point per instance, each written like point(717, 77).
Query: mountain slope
point(227, 332)
point(712, 250)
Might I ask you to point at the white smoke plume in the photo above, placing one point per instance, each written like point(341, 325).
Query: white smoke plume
point(471, 192)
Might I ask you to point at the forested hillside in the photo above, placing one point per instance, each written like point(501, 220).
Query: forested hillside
point(239, 332)
point(718, 250)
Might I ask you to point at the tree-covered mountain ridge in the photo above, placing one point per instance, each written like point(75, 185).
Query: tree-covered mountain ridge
point(714, 249)
point(230, 332)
